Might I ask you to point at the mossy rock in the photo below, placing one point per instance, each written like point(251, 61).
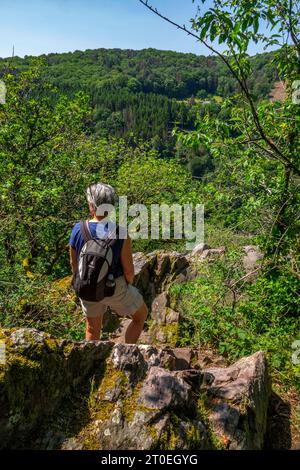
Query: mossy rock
point(39, 371)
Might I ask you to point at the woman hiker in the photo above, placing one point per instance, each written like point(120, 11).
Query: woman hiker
point(124, 299)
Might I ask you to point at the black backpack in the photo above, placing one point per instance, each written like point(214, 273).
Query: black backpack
point(94, 265)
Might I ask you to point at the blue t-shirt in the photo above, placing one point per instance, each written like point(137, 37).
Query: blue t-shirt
point(99, 231)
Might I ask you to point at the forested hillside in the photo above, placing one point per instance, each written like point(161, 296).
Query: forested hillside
point(147, 92)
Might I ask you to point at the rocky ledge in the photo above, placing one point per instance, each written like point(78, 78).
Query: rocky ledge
point(138, 397)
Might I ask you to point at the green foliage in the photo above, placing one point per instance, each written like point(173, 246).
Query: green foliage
point(42, 304)
point(40, 139)
point(254, 145)
point(150, 180)
point(220, 310)
point(147, 179)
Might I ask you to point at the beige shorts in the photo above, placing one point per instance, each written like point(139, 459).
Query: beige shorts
point(125, 301)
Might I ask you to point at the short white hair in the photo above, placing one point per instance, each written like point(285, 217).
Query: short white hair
point(100, 193)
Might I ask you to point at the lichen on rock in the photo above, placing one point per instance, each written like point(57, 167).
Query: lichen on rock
point(39, 371)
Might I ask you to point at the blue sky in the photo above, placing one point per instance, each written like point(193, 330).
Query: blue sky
point(42, 26)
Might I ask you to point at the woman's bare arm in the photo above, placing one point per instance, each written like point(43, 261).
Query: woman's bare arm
point(127, 261)
point(73, 259)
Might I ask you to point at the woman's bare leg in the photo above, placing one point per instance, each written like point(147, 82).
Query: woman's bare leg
point(136, 326)
point(93, 328)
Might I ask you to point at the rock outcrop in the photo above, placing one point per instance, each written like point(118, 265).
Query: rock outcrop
point(238, 401)
point(141, 397)
point(107, 395)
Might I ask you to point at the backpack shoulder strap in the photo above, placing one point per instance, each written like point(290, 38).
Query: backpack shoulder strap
point(112, 239)
point(85, 231)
